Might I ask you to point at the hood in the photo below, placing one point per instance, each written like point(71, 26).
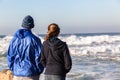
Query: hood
point(57, 43)
point(22, 33)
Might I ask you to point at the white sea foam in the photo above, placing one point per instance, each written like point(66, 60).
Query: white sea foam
point(4, 43)
point(80, 45)
point(89, 40)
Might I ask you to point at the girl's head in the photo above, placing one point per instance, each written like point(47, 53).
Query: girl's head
point(53, 31)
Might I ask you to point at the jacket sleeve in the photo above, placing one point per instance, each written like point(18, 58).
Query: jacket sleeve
point(37, 56)
point(11, 56)
point(43, 59)
point(67, 59)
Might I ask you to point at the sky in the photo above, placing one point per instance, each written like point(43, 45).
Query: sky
point(73, 16)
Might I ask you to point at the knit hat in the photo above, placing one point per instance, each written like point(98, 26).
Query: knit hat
point(28, 22)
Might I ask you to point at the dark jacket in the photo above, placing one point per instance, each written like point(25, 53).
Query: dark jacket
point(24, 54)
point(55, 57)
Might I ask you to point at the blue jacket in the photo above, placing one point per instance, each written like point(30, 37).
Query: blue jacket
point(24, 54)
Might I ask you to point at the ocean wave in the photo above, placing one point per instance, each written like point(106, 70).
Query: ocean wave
point(88, 40)
point(108, 45)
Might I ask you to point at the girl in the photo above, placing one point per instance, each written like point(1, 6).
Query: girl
point(55, 56)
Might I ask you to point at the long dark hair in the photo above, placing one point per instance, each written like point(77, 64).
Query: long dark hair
point(52, 31)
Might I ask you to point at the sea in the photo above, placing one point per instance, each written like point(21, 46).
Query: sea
point(95, 56)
